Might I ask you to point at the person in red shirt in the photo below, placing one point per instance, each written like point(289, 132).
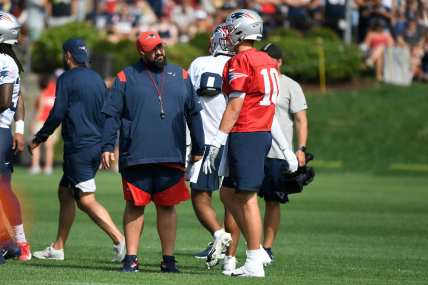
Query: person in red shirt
point(43, 105)
point(251, 82)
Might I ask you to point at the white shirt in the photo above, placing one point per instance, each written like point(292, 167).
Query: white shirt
point(290, 101)
point(9, 73)
point(213, 106)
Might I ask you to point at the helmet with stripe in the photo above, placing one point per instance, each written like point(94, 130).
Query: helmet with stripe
point(9, 28)
point(243, 25)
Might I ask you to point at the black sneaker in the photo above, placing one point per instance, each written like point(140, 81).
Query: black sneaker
point(168, 265)
point(203, 254)
point(130, 264)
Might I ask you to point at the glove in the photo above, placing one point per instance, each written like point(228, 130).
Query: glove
point(291, 158)
point(209, 164)
point(219, 139)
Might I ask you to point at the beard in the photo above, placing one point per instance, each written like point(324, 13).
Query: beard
point(65, 64)
point(157, 65)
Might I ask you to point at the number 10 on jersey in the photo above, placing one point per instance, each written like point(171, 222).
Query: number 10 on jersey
point(271, 86)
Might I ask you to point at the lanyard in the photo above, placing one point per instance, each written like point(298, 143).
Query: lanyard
point(158, 90)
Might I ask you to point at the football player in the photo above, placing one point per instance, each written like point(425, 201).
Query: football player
point(251, 82)
point(206, 74)
point(11, 109)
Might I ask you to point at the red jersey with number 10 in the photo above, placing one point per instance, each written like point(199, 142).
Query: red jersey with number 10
point(256, 74)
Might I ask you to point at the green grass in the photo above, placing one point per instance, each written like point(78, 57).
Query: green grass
point(343, 229)
point(371, 129)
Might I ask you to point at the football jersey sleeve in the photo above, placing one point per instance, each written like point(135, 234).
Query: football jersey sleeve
point(8, 71)
point(236, 76)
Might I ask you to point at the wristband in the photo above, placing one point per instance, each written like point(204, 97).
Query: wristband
point(302, 148)
point(219, 139)
point(19, 127)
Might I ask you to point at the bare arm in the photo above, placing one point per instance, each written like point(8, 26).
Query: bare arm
point(20, 109)
point(231, 114)
point(301, 126)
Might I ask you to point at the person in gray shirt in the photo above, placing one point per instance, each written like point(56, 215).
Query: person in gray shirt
point(290, 113)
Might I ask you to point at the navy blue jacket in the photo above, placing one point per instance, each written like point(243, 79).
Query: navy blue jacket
point(80, 96)
point(134, 107)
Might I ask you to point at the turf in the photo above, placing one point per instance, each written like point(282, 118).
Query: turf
point(343, 229)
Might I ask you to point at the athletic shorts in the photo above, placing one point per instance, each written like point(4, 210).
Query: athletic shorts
point(208, 182)
point(246, 154)
point(80, 169)
point(163, 184)
point(271, 190)
point(6, 153)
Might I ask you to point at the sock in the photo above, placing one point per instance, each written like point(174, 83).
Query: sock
point(19, 233)
point(218, 233)
point(253, 254)
point(130, 258)
point(168, 258)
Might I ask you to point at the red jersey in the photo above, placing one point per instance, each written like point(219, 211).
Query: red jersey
point(47, 101)
point(256, 74)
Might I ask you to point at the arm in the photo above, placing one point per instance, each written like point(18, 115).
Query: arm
point(231, 114)
point(6, 91)
point(301, 126)
point(112, 109)
point(56, 115)
point(19, 117)
point(194, 122)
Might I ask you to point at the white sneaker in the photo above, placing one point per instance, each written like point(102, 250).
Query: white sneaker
point(50, 253)
point(119, 251)
point(34, 170)
point(229, 265)
point(264, 257)
point(219, 246)
point(255, 269)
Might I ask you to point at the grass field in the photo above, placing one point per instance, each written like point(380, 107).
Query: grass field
point(343, 229)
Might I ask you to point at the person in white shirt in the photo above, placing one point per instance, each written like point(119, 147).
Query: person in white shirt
point(11, 109)
point(206, 75)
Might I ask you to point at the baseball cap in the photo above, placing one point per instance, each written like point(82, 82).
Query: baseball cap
point(77, 49)
point(273, 50)
point(147, 41)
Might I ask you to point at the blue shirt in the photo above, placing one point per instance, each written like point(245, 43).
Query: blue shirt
point(134, 105)
point(80, 96)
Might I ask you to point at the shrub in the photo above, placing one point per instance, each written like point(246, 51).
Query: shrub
point(47, 51)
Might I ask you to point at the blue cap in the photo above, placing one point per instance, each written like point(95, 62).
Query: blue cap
point(77, 49)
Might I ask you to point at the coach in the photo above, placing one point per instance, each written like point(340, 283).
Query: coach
point(150, 102)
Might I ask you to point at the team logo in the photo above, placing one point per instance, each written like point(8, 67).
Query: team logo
point(241, 14)
point(235, 75)
point(6, 18)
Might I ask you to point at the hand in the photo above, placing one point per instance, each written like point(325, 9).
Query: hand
point(18, 143)
point(301, 157)
point(107, 158)
point(209, 164)
point(195, 158)
point(291, 158)
point(32, 146)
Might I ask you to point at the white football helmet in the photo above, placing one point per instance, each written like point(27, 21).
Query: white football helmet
point(218, 43)
point(242, 25)
point(9, 28)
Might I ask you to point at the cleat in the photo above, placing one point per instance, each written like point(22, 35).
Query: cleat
point(10, 250)
point(25, 254)
point(169, 265)
point(229, 265)
point(50, 253)
point(2, 259)
point(130, 264)
point(203, 254)
point(270, 253)
point(119, 251)
point(249, 271)
point(219, 246)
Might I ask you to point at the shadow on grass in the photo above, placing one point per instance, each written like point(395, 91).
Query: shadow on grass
point(144, 268)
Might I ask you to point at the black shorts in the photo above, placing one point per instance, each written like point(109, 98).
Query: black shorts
point(271, 189)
